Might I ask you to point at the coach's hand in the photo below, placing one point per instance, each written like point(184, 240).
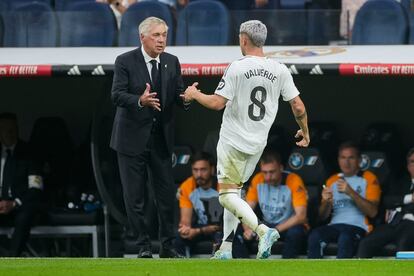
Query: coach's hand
point(305, 139)
point(150, 99)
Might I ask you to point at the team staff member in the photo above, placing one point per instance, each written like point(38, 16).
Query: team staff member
point(282, 199)
point(200, 210)
point(351, 198)
point(20, 184)
point(399, 229)
point(147, 84)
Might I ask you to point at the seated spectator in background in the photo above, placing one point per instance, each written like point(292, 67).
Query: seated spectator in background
point(348, 13)
point(282, 199)
point(350, 198)
point(239, 4)
point(20, 184)
point(118, 7)
point(399, 227)
point(200, 210)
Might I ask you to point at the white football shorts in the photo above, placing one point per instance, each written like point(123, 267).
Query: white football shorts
point(234, 166)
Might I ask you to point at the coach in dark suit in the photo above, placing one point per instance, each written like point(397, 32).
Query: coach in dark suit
point(20, 184)
point(399, 227)
point(147, 83)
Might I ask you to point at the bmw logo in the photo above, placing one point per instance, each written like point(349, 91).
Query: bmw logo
point(174, 159)
point(296, 161)
point(365, 162)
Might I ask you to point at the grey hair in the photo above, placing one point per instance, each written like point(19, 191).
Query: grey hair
point(255, 30)
point(145, 26)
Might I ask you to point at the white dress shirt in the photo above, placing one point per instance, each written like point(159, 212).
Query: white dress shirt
point(3, 162)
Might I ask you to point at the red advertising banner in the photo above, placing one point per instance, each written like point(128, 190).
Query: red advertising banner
point(376, 69)
point(203, 69)
point(25, 70)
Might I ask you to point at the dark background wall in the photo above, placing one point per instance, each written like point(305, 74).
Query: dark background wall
point(350, 102)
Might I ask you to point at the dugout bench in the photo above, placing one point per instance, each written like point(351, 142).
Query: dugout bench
point(68, 231)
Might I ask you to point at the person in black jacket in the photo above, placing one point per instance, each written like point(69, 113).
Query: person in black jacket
point(146, 86)
point(20, 184)
point(399, 227)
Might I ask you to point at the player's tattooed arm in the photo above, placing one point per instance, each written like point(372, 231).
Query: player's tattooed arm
point(301, 116)
point(299, 111)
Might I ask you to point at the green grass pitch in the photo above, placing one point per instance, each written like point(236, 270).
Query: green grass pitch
point(198, 267)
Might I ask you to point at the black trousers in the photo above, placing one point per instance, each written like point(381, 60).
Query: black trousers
point(401, 234)
point(22, 220)
point(134, 176)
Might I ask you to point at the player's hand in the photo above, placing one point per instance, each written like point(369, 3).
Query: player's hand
point(305, 139)
point(343, 186)
point(327, 194)
point(150, 99)
point(190, 92)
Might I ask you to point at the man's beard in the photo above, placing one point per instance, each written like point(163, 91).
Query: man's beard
point(201, 181)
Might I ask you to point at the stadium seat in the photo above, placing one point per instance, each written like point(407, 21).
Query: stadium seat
point(324, 136)
point(380, 22)
point(378, 163)
point(53, 147)
point(135, 14)
point(4, 5)
point(385, 137)
point(203, 23)
point(292, 4)
point(87, 24)
point(181, 163)
point(244, 5)
point(210, 143)
point(61, 5)
point(323, 25)
point(311, 166)
point(277, 141)
point(406, 4)
point(1, 31)
point(14, 4)
point(30, 25)
point(411, 28)
point(284, 27)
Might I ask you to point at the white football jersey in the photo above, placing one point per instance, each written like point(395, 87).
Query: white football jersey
point(252, 86)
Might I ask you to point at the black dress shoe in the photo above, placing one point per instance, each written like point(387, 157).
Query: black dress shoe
point(170, 253)
point(145, 254)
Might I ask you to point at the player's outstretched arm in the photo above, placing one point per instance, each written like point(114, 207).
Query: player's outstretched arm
point(214, 101)
point(299, 110)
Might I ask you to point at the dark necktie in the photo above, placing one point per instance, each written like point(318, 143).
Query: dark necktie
point(7, 175)
point(154, 74)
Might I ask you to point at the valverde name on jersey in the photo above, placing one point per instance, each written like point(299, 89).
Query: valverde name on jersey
point(260, 73)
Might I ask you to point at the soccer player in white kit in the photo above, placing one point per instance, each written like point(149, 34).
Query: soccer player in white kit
point(249, 91)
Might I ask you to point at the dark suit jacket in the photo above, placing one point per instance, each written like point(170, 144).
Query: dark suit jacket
point(132, 125)
point(395, 195)
point(24, 166)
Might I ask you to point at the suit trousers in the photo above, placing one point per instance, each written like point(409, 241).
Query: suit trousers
point(153, 164)
point(22, 220)
point(401, 234)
